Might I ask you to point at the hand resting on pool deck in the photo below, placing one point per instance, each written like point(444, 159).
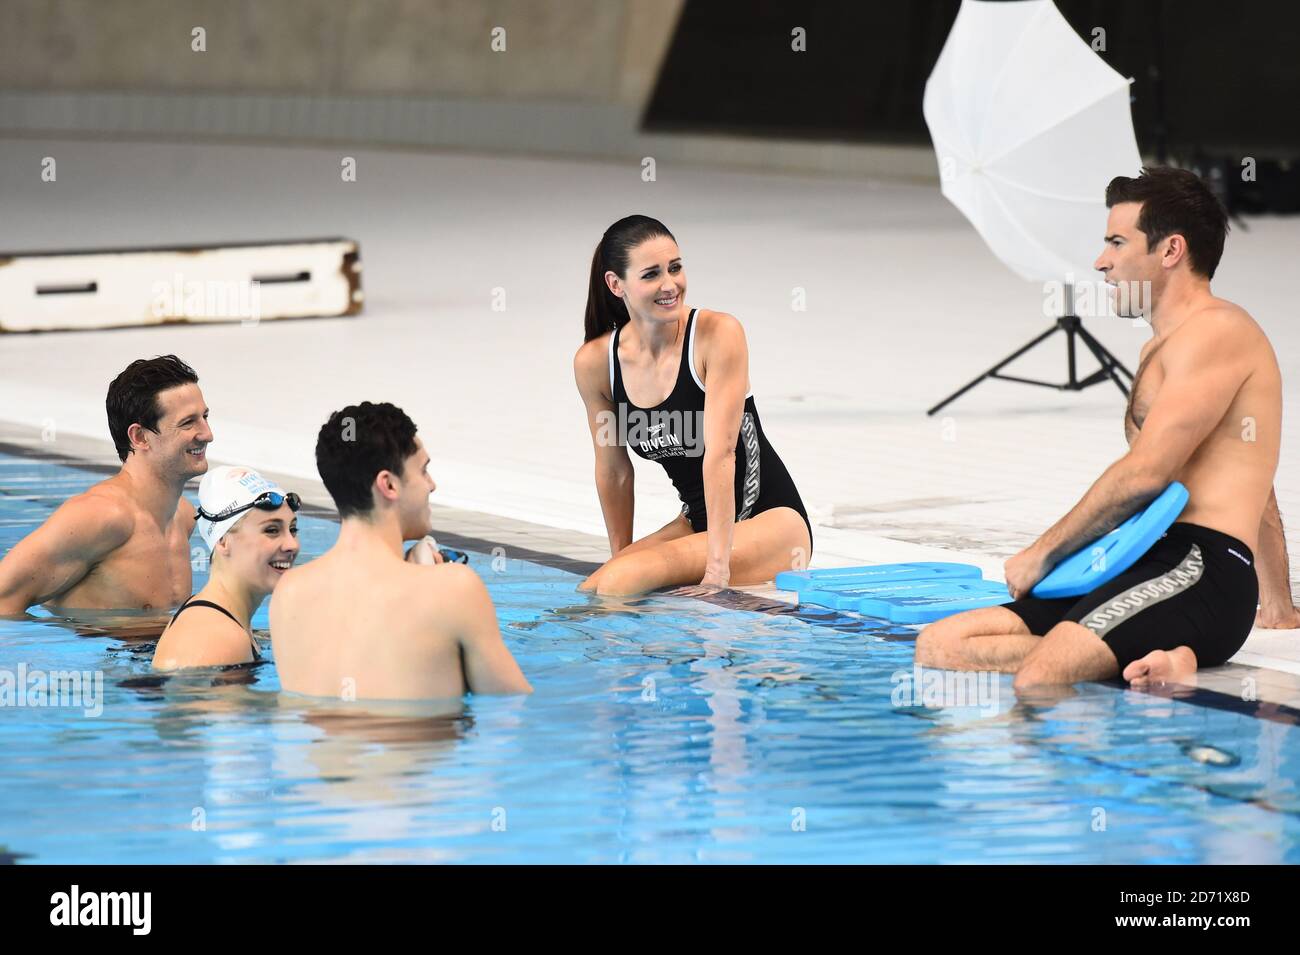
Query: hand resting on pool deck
point(362, 623)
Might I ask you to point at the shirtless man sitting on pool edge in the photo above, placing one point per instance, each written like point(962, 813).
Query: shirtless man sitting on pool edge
point(1206, 410)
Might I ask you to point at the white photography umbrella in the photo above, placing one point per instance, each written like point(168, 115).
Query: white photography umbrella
point(1029, 126)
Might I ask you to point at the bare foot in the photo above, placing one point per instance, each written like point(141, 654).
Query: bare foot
point(1277, 618)
point(1163, 666)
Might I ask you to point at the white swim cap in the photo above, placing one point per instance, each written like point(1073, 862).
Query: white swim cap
point(225, 494)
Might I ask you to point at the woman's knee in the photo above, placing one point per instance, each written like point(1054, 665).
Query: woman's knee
point(593, 581)
point(621, 577)
point(797, 538)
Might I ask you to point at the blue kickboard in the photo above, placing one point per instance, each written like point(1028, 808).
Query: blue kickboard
point(826, 598)
point(879, 602)
point(876, 596)
point(923, 592)
point(1108, 557)
point(839, 578)
point(921, 608)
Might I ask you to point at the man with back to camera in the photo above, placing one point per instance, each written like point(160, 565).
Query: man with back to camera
point(360, 622)
point(124, 543)
point(1206, 410)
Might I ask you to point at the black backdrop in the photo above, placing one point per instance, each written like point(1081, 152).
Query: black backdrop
point(1219, 77)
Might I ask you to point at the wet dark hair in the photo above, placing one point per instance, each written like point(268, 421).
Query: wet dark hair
point(605, 310)
point(133, 395)
point(1176, 201)
point(354, 445)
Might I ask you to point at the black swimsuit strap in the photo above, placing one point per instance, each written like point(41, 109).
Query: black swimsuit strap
point(684, 370)
point(204, 603)
point(192, 602)
point(615, 369)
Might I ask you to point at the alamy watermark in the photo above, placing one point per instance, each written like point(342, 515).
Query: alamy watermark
point(77, 689)
point(130, 909)
point(659, 434)
point(208, 299)
point(940, 689)
point(1088, 298)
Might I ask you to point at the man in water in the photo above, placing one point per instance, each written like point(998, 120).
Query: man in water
point(361, 623)
point(124, 543)
point(1206, 410)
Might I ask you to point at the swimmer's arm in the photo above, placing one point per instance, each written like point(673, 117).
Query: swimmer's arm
point(725, 359)
point(489, 666)
point(615, 479)
point(1276, 608)
point(1202, 376)
point(59, 554)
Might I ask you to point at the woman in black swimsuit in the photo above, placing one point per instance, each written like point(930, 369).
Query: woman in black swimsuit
point(250, 528)
point(672, 383)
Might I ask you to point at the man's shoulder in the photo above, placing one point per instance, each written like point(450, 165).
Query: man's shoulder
point(419, 584)
point(104, 508)
point(296, 578)
point(444, 593)
point(109, 492)
point(433, 583)
point(1220, 315)
point(1219, 330)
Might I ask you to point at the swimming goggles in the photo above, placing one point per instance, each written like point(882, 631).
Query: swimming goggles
point(266, 501)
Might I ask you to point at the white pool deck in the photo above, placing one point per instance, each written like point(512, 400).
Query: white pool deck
point(904, 304)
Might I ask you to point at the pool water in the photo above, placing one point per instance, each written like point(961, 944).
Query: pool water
point(661, 730)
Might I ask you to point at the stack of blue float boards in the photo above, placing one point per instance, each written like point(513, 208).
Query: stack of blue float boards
point(924, 592)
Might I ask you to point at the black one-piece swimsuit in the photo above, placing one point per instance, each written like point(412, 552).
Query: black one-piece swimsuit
point(672, 433)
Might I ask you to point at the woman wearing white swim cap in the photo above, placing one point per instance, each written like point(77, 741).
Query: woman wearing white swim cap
point(250, 527)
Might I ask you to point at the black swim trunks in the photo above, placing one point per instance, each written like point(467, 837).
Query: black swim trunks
point(1195, 587)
